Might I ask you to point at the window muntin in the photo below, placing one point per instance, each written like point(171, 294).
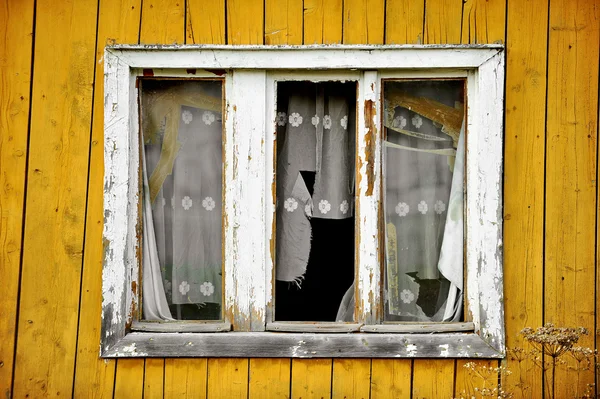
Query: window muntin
point(243, 137)
point(181, 146)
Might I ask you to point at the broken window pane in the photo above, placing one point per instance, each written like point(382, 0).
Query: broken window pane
point(423, 197)
point(182, 174)
point(315, 199)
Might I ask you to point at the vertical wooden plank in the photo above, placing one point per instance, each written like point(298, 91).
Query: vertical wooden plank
point(465, 383)
point(16, 29)
point(269, 378)
point(185, 378)
point(154, 378)
point(227, 378)
point(404, 21)
point(163, 22)
point(443, 20)
point(571, 147)
point(391, 378)
point(311, 378)
point(322, 21)
point(483, 21)
point(524, 158)
point(351, 378)
point(118, 21)
point(56, 197)
point(205, 22)
point(433, 379)
point(129, 380)
point(364, 21)
point(283, 22)
point(245, 21)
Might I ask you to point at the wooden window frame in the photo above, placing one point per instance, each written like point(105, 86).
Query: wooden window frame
point(249, 203)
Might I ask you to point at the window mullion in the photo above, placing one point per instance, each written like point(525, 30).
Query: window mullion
point(244, 219)
point(368, 201)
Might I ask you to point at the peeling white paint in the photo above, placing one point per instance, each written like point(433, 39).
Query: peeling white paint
point(443, 350)
point(411, 350)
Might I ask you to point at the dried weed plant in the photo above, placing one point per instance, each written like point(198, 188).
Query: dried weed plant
point(551, 349)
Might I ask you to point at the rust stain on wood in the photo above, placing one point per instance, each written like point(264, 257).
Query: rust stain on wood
point(148, 72)
point(370, 113)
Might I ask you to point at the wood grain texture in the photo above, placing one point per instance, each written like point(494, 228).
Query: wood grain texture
point(443, 19)
point(404, 21)
point(571, 160)
point(245, 22)
point(205, 22)
point(16, 33)
point(269, 378)
point(129, 380)
point(118, 21)
point(483, 21)
point(525, 132)
point(323, 21)
point(433, 379)
point(163, 22)
point(363, 21)
point(391, 378)
point(311, 378)
point(56, 197)
point(154, 378)
point(351, 378)
point(185, 378)
point(227, 378)
point(283, 21)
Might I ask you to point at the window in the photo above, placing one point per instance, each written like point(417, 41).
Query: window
point(344, 202)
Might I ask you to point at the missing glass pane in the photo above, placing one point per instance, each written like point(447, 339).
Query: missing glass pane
point(423, 190)
point(315, 200)
point(182, 174)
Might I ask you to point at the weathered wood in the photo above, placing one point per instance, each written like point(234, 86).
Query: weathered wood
point(363, 21)
point(571, 173)
point(16, 27)
point(179, 326)
point(443, 19)
point(313, 327)
point(244, 221)
point(306, 57)
point(205, 22)
point(283, 22)
point(269, 378)
point(154, 378)
point(163, 22)
point(56, 197)
point(433, 379)
point(307, 345)
point(418, 327)
point(185, 378)
point(483, 21)
point(245, 21)
point(524, 179)
point(368, 196)
point(322, 21)
point(228, 378)
point(391, 378)
point(311, 378)
point(351, 378)
point(129, 379)
point(118, 21)
point(404, 21)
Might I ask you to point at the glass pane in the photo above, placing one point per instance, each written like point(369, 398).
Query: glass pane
point(423, 179)
point(315, 201)
point(182, 138)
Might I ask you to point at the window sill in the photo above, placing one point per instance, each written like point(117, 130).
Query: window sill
point(303, 345)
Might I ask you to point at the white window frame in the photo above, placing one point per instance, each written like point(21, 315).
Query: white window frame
point(251, 73)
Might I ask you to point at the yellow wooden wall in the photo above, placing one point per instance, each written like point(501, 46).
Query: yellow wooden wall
point(51, 171)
